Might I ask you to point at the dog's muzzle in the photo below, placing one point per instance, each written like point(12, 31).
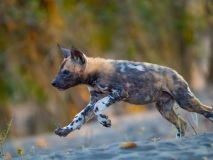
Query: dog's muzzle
point(54, 83)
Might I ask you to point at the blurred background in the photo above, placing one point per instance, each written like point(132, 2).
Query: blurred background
point(178, 34)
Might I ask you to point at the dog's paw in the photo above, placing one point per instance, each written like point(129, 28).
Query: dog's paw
point(103, 119)
point(180, 134)
point(62, 132)
point(106, 123)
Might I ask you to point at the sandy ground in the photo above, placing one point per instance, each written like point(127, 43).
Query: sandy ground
point(195, 148)
point(153, 135)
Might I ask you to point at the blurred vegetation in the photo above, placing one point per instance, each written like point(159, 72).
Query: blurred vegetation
point(178, 34)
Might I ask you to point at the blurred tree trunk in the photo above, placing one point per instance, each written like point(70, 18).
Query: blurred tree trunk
point(210, 77)
point(183, 35)
point(4, 117)
point(209, 12)
point(186, 60)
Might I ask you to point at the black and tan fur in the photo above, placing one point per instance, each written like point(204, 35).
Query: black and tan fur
point(111, 81)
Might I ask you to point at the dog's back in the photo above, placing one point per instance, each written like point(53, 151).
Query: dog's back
point(143, 81)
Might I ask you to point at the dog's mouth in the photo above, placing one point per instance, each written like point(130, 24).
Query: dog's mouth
point(64, 87)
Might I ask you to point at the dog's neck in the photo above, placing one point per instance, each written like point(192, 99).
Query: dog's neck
point(94, 67)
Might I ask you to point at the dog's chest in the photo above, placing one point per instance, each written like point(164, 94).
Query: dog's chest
point(98, 90)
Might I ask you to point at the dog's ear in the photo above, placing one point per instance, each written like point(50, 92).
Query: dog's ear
point(65, 51)
point(77, 55)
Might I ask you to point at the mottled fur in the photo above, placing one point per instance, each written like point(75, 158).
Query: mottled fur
point(111, 81)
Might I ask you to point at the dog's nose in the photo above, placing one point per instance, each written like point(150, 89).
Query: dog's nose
point(54, 83)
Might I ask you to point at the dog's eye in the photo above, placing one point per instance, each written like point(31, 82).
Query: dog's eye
point(66, 72)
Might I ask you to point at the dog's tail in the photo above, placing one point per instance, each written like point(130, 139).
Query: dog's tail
point(206, 108)
point(197, 105)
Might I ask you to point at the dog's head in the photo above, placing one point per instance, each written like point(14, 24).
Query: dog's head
point(71, 70)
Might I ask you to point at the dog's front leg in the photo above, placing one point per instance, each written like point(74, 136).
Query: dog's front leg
point(101, 105)
point(78, 121)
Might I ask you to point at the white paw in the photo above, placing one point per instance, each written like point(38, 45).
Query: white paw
point(103, 119)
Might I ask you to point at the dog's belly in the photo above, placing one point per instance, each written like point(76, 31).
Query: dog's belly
point(143, 96)
point(143, 88)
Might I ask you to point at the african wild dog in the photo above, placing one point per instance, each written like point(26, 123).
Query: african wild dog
point(111, 81)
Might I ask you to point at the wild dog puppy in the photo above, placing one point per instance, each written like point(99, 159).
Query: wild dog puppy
point(111, 81)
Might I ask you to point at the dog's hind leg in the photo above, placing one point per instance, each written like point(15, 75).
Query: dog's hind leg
point(165, 106)
point(186, 100)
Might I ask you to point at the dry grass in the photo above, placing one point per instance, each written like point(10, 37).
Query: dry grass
point(3, 137)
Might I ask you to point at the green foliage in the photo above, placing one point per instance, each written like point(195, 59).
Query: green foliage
point(21, 152)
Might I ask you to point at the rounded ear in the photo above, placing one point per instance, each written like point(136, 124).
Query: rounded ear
point(77, 55)
point(65, 51)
